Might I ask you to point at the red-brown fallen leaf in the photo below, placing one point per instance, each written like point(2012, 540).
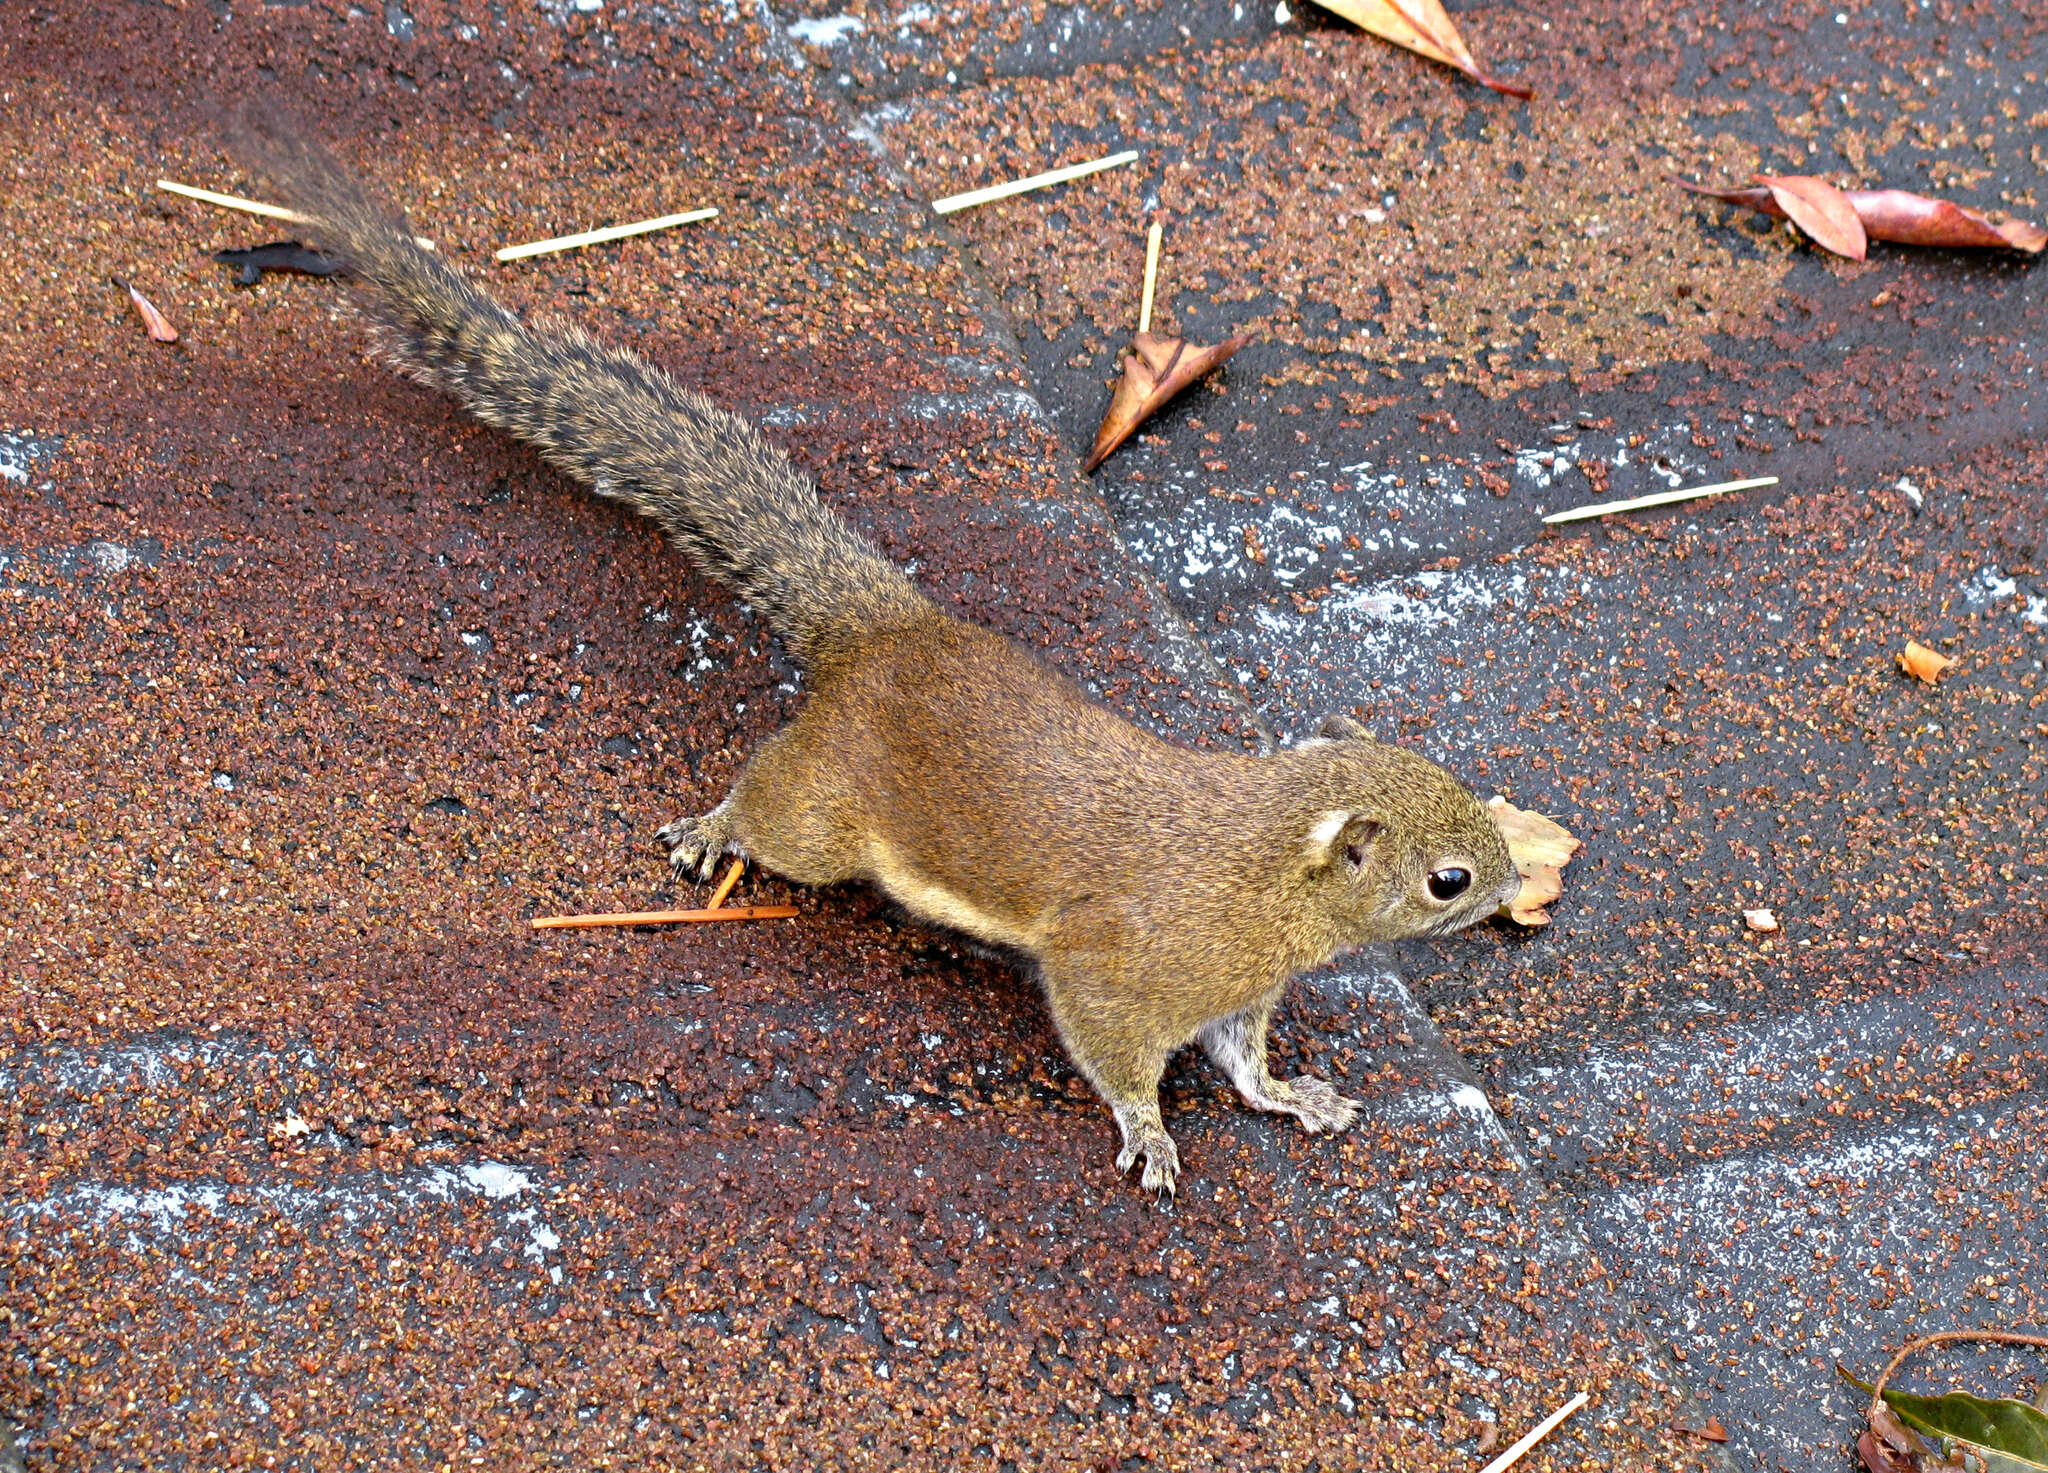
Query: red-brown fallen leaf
point(1821, 210)
point(1916, 659)
point(159, 326)
point(1155, 369)
point(1890, 1446)
point(1712, 1432)
point(1425, 28)
point(1540, 849)
point(1906, 219)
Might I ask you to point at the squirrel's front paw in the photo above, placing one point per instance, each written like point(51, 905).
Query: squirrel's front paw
point(1314, 1102)
point(1161, 1157)
point(697, 844)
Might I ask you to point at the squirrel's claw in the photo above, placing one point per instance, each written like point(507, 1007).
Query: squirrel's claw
point(697, 844)
point(1161, 1157)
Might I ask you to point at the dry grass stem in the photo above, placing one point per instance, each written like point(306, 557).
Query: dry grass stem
point(975, 197)
point(1152, 238)
point(732, 878)
point(246, 206)
point(663, 917)
point(1535, 1435)
point(1657, 498)
point(599, 237)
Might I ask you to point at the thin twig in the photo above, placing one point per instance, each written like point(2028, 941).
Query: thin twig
point(732, 878)
point(1151, 274)
point(662, 917)
point(1535, 1435)
point(249, 206)
point(598, 237)
point(1943, 1337)
point(974, 197)
point(231, 201)
point(1659, 498)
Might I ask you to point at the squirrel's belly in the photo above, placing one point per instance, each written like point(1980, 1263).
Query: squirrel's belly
point(933, 902)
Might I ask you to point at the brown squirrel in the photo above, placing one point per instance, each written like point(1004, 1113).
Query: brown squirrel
point(1166, 895)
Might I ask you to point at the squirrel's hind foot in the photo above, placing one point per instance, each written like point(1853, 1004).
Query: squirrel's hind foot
point(1311, 1100)
point(695, 845)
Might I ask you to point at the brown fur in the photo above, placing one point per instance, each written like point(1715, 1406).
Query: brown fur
point(1166, 895)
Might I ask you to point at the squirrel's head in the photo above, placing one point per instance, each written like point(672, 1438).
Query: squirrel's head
point(1397, 846)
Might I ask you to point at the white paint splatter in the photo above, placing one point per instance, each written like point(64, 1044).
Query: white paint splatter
point(827, 30)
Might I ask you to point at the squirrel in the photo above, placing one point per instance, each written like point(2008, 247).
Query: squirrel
point(1166, 895)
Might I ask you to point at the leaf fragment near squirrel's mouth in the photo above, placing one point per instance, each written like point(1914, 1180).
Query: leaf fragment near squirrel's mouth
point(1540, 848)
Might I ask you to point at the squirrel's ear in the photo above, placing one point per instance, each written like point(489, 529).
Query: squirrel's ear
point(1338, 727)
point(1341, 836)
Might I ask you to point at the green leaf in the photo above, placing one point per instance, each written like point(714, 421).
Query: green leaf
point(2009, 1436)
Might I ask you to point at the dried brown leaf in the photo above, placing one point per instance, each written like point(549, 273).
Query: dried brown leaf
point(1424, 27)
point(1914, 219)
point(159, 326)
point(1880, 1457)
point(1540, 848)
point(1155, 369)
point(1890, 1446)
point(1821, 210)
point(1916, 659)
point(1901, 218)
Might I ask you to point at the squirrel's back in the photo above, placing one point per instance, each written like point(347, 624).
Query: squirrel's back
point(617, 423)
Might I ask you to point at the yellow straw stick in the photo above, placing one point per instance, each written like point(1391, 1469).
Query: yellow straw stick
point(1535, 1435)
point(662, 917)
point(1151, 274)
point(974, 197)
point(230, 201)
point(732, 878)
point(246, 206)
point(599, 237)
point(1659, 498)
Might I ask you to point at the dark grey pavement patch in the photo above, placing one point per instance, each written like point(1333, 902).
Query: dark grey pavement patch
point(1773, 1266)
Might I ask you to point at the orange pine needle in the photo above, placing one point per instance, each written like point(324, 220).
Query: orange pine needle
point(732, 878)
point(662, 917)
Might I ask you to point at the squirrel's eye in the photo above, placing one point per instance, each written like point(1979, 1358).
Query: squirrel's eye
point(1446, 885)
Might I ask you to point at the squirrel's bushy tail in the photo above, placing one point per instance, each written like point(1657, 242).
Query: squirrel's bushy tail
point(609, 418)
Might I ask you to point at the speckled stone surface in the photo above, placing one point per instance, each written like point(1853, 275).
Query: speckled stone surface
point(312, 1156)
